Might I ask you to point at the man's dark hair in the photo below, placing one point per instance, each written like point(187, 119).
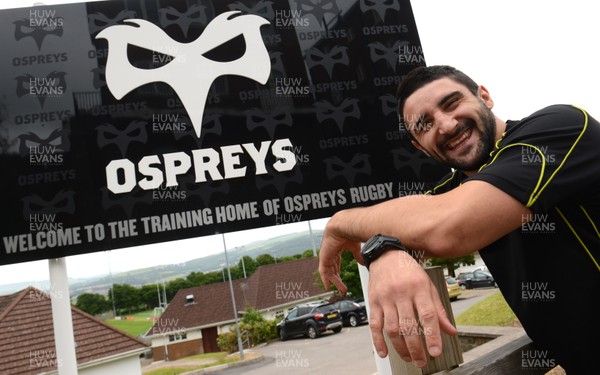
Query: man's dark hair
point(423, 75)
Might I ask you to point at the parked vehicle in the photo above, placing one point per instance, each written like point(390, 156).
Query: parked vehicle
point(310, 319)
point(453, 288)
point(462, 278)
point(477, 279)
point(352, 312)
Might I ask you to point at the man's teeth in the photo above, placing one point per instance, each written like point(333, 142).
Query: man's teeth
point(457, 141)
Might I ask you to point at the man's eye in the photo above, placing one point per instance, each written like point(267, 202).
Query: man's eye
point(452, 103)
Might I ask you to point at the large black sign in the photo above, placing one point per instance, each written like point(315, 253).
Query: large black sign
point(131, 122)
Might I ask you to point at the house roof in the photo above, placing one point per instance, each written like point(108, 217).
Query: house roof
point(269, 286)
point(27, 335)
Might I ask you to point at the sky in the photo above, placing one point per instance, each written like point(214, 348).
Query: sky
point(528, 54)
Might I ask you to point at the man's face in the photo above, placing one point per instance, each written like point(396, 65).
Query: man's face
point(450, 124)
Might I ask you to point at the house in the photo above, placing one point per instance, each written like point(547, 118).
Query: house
point(27, 339)
point(196, 316)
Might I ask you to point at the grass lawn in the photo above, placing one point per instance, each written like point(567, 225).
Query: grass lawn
point(169, 371)
point(217, 359)
point(492, 311)
point(132, 327)
point(138, 323)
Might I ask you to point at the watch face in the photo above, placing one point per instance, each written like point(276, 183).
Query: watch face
point(371, 243)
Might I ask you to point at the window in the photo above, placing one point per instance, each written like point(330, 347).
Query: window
point(178, 336)
point(189, 299)
point(292, 314)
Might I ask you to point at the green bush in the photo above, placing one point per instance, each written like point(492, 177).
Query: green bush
point(255, 326)
point(228, 342)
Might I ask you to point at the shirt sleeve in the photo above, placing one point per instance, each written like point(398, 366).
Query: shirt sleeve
point(547, 158)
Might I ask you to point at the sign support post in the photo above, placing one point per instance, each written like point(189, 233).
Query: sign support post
point(235, 313)
point(62, 320)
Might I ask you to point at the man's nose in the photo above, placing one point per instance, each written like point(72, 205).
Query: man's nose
point(445, 123)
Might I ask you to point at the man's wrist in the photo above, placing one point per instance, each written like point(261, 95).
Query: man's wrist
point(378, 245)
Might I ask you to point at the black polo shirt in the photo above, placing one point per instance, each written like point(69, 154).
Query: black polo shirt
point(548, 270)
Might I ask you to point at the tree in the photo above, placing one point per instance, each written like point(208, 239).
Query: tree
point(127, 298)
point(149, 296)
point(453, 263)
point(250, 265)
point(93, 303)
point(264, 259)
point(307, 254)
point(174, 285)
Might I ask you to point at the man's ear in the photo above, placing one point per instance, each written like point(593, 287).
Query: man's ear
point(419, 147)
point(484, 94)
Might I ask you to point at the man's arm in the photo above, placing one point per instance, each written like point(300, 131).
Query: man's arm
point(452, 224)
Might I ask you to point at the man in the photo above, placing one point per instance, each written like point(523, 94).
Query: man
point(526, 194)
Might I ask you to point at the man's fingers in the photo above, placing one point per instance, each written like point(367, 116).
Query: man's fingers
point(410, 331)
point(376, 327)
point(443, 319)
point(394, 332)
point(428, 318)
point(328, 275)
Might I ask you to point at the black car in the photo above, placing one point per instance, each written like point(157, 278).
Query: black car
point(353, 313)
point(477, 279)
point(310, 319)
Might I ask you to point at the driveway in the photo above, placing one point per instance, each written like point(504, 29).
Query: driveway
point(347, 352)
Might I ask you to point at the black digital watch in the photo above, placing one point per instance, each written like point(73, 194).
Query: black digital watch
point(379, 244)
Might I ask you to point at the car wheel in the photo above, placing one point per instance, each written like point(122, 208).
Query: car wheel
point(282, 335)
point(337, 330)
point(312, 332)
point(353, 321)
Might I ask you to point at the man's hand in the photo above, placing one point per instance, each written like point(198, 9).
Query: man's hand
point(404, 302)
point(330, 257)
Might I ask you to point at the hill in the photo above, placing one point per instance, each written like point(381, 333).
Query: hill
point(280, 246)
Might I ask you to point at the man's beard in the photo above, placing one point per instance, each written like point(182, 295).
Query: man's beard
point(484, 146)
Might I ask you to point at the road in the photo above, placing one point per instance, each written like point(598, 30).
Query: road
point(469, 297)
point(348, 352)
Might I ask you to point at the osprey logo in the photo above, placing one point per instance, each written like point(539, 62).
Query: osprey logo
point(62, 202)
point(53, 85)
point(388, 104)
point(415, 160)
point(347, 109)
point(380, 7)
point(349, 170)
point(31, 143)
point(40, 24)
point(319, 8)
point(256, 118)
point(195, 14)
point(189, 73)
point(262, 9)
point(99, 21)
point(389, 54)
point(338, 55)
point(109, 134)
